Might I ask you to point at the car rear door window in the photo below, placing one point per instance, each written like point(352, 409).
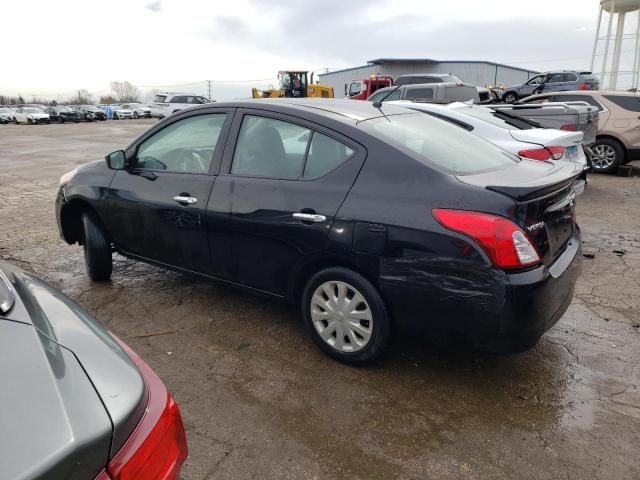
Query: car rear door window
point(419, 94)
point(324, 155)
point(185, 146)
point(627, 102)
point(569, 77)
point(267, 147)
point(556, 78)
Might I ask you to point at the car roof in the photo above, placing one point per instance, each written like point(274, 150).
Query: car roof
point(438, 75)
point(347, 111)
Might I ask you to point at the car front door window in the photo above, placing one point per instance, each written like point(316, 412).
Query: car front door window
point(537, 80)
point(185, 146)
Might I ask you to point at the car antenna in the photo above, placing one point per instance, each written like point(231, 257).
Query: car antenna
point(378, 103)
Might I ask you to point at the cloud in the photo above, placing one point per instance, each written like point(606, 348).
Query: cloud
point(155, 6)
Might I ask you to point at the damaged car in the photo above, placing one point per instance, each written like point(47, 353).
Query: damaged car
point(368, 217)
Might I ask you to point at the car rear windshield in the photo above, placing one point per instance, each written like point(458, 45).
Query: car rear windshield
point(590, 77)
point(159, 98)
point(439, 144)
point(627, 102)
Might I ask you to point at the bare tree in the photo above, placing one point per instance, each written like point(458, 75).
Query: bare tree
point(107, 99)
point(125, 91)
point(83, 97)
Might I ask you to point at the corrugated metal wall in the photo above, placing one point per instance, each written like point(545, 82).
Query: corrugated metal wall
point(481, 74)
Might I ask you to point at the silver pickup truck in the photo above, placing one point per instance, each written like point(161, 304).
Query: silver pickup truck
point(572, 116)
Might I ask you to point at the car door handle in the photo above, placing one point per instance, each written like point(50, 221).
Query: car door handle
point(187, 200)
point(310, 217)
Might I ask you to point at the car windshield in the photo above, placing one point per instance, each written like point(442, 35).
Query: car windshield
point(439, 144)
point(159, 98)
point(90, 108)
point(33, 110)
point(494, 117)
point(63, 109)
point(5, 110)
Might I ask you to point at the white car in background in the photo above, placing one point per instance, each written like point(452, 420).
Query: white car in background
point(513, 134)
point(138, 109)
point(30, 115)
point(6, 115)
point(119, 113)
point(164, 104)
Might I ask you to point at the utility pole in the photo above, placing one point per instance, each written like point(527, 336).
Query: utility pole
point(209, 87)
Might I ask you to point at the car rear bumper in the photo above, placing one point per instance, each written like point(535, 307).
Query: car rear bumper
point(484, 309)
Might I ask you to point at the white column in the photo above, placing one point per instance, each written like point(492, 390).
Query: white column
point(595, 43)
point(606, 47)
point(615, 67)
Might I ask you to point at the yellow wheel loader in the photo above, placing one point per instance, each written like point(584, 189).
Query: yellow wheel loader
point(295, 84)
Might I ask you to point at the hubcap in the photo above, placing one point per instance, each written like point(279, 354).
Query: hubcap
point(602, 156)
point(341, 316)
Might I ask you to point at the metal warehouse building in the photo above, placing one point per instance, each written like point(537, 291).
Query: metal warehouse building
point(479, 73)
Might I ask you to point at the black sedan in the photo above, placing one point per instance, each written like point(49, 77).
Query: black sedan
point(63, 114)
point(92, 113)
point(77, 403)
point(368, 217)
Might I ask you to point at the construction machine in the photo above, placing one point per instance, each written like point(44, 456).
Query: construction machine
point(295, 84)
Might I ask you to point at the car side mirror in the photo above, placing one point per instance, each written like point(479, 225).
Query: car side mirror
point(116, 160)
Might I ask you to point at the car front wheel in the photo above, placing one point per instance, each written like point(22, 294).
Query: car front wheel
point(346, 316)
point(510, 97)
point(606, 155)
point(97, 249)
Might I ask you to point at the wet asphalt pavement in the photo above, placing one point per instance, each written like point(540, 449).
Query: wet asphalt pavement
point(260, 401)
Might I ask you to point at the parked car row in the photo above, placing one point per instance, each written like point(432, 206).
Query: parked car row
point(608, 119)
point(33, 114)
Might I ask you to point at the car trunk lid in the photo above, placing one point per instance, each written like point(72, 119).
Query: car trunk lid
point(547, 137)
point(114, 376)
point(544, 197)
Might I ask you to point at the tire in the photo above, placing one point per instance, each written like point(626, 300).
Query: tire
point(29, 121)
point(606, 155)
point(371, 317)
point(60, 119)
point(135, 115)
point(15, 120)
point(97, 249)
point(510, 97)
point(115, 116)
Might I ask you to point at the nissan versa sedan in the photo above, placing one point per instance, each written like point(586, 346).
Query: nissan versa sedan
point(77, 403)
point(369, 218)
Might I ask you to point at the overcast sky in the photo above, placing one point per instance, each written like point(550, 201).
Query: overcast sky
point(54, 47)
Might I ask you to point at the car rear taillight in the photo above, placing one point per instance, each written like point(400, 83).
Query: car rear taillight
point(546, 153)
point(157, 448)
point(569, 127)
point(506, 245)
point(583, 86)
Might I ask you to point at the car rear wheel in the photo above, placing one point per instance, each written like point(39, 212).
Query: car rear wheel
point(606, 155)
point(510, 97)
point(346, 316)
point(60, 119)
point(97, 249)
point(29, 121)
point(135, 115)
